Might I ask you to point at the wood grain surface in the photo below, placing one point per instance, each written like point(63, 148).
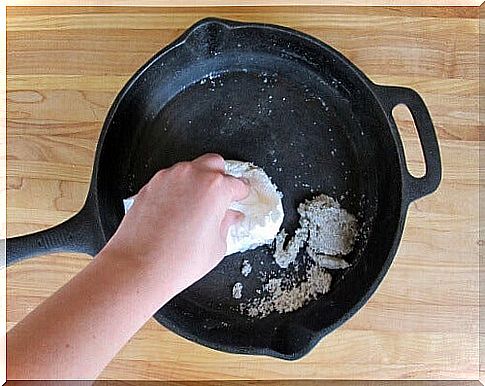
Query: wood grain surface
point(292, 382)
point(219, 3)
point(482, 191)
point(65, 66)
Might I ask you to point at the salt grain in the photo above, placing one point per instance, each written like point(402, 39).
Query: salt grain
point(237, 290)
point(285, 296)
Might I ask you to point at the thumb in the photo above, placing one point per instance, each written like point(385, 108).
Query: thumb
point(232, 217)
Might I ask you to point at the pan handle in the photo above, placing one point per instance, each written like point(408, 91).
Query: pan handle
point(80, 233)
point(414, 187)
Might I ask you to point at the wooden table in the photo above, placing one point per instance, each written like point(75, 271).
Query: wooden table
point(65, 66)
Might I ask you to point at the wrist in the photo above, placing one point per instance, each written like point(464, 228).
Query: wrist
point(144, 274)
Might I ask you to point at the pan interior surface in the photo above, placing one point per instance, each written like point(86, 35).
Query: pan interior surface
point(308, 121)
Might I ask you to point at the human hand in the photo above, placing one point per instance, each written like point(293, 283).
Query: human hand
point(177, 226)
point(174, 234)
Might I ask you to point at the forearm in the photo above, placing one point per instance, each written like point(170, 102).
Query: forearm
point(75, 333)
point(172, 236)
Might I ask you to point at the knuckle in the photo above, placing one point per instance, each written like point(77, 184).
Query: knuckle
point(143, 191)
point(159, 175)
point(211, 159)
point(215, 181)
point(215, 157)
point(183, 167)
point(146, 189)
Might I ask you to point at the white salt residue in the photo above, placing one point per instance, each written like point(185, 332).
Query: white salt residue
point(237, 290)
point(332, 230)
point(326, 261)
point(214, 75)
point(286, 295)
point(273, 285)
point(246, 268)
point(285, 255)
point(326, 229)
point(329, 232)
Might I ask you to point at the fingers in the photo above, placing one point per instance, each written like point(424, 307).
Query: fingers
point(232, 217)
point(212, 161)
point(238, 188)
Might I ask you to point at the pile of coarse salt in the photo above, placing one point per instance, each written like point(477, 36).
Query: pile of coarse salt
point(283, 295)
point(329, 232)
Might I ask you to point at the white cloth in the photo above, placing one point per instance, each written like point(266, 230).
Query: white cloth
point(262, 209)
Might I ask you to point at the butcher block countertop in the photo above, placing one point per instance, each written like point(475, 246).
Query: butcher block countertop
point(66, 65)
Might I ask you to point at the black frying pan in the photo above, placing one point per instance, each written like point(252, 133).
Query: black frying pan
point(288, 103)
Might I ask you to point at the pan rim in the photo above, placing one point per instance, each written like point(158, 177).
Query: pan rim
point(308, 345)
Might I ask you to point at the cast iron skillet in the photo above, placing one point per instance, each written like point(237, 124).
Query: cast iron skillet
point(288, 103)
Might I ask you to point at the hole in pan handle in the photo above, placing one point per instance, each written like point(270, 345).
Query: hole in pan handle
point(80, 233)
point(414, 187)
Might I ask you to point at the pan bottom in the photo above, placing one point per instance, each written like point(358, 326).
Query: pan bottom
point(303, 137)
